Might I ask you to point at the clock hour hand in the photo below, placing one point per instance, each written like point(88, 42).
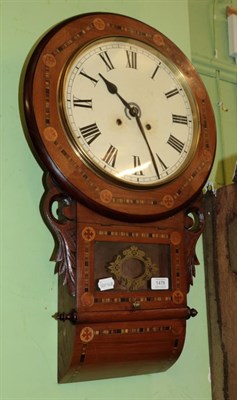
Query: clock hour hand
point(112, 88)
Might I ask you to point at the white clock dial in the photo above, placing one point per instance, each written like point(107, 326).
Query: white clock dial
point(130, 114)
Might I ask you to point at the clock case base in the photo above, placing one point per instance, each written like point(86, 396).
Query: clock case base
point(128, 331)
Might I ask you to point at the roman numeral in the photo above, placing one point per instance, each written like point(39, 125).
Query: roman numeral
point(93, 80)
point(86, 103)
point(161, 162)
point(104, 56)
point(171, 93)
point(180, 119)
point(155, 71)
point(131, 59)
point(90, 133)
point(110, 156)
point(175, 143)
point(137, 164)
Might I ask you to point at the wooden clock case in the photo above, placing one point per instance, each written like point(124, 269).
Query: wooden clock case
point(143, 239)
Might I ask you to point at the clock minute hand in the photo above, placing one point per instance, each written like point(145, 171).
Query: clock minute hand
point(147, 143)
point(112, 88)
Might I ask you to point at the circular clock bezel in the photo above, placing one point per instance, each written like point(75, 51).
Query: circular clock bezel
point(48, 131)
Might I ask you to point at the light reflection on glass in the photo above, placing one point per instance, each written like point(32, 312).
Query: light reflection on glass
point(135, 170)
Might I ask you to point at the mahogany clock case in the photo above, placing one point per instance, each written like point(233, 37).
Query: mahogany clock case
point(125, 252)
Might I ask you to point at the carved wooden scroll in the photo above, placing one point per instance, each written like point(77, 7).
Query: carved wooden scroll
point(62, 223)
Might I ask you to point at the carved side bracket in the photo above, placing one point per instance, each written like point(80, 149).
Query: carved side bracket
point(59, 212)
point(194, 227)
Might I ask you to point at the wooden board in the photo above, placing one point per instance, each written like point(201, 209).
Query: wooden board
point(220, 254)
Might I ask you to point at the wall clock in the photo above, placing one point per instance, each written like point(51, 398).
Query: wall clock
point(125, 131)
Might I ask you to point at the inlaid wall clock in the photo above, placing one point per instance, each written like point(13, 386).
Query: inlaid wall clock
point(125, 130)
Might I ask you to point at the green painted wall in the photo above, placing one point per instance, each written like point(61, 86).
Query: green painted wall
point(28, 285)
point(210, 55)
